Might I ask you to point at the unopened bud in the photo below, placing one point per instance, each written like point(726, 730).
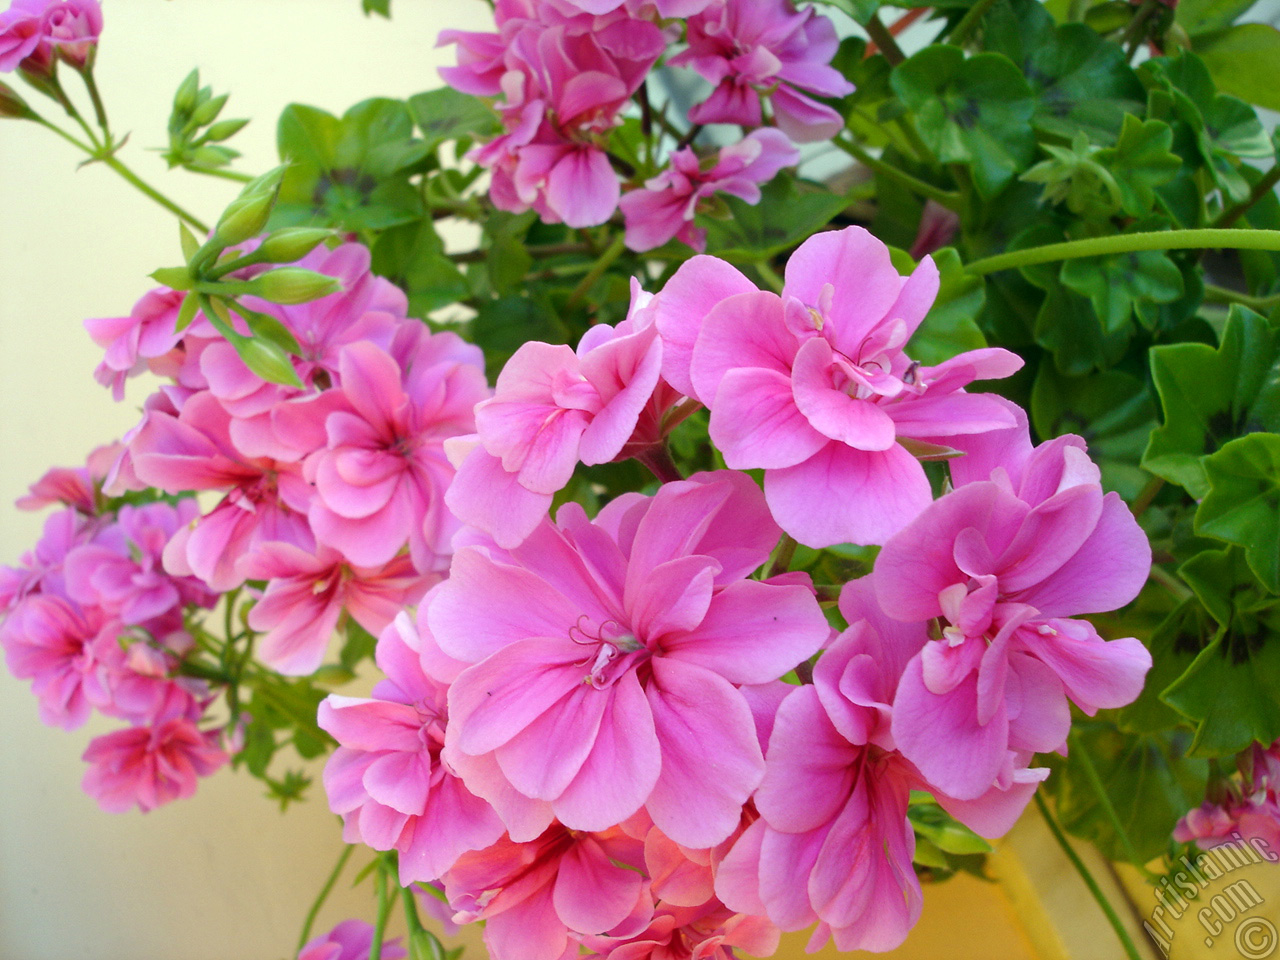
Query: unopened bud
point(175, 278)
point(244, 218)
point(184, 100)
point(1176, 36)
point(293, 285)
point(268, 361)
point(292, 243)
point(332, 675)
point(224, 129)
point(208, 111)
point(12, 106)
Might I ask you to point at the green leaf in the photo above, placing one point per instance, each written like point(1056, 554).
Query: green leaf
point(359, 646)
point(412, 256)
point(1232, 691)
point(1079, 82)
point(950, 326)
point(501, 326)
point(1210, 396)
point(1148, 780)
point(380, 7)
point(860, 10)
point(1113, 284)
point(1141, 161)
point(1243, 502)
point(946, 833)
point(1112, 410)
point(1077, 178)
point(789, 212)
point(975, 111)
point(446, 114)
point(352, 172)
point(1174, 644)
point(1245, 62)
point(508, 260)
point(1204, 16)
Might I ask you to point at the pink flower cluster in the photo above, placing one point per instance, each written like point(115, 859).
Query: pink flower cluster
point(586, 736)
point(1248, 807)
point(94, 621)
point(564, 70)
point(34, 32)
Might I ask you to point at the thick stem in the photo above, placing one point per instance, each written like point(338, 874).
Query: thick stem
point(384, 911)
point(1204, 239)
point(597, 270)
point(770, 276)
point(309, 922)
point(1146, 495)
point(1214, 294)
point(99, 109)
point(1260, 190)
point(153, 193)
point(658, 460)
point(969, 22)
point(947, 198)
point(782, 559)
point(1130, 950)
point(884, 40)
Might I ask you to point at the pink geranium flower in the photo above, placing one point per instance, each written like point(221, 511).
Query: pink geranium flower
point(309, 590)
point(381, 476)
point(552, 409)
point(150, 766)
point(814, 386)
point(607, 659)
point(386, 778)
point(350, 940)
point(73, 486)
point(665, 207)
point(539, 896)
point(750, 47)
point(707, 931)
point(1003, 561)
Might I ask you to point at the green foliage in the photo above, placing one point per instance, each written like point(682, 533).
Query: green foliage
point(1243, 502)
point(1245, 62)
point(789, 211)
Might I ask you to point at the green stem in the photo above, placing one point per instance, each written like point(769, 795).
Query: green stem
point(1214, 294)
point(1080, 754)
point(384, 911)
point(770, 276)
point(1122, 934)
point(1132, 37)
point(1146, 495)
point(1260, 190)
point(782, 559)
point(309, 922)
point(1129, 243)
point(115, 164)
point(1177, 589)
point(885, 40)
point(597, 271)
point(658, 461)
point(99, 109)
point(64, 135)
point(947, 198)
point(969, 22)
point(224, 174)
point(417, 932)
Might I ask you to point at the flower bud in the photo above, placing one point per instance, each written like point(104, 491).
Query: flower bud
point(224, 130)
point(267, 360)
point(208, 111)
point(13, 106)
point(244, 218)
point(184, 100)
point(293, 285)
point(292, 243)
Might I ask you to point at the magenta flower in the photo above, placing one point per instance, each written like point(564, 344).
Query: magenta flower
point(350, 940)
point(42, 569)
point(814, 385)
point(386, 778)
point(308, 592)
point(149, 766)
point(708, 931)
point(753, 47)
point(381, 477)
point(665, 207)
point(1003, 561)
point(121, 571)
point(63, 649)
point(552, 409)
point(663, 8)
point(537, 897)
point(194, 450)
point(607, 659)
point(73, 486)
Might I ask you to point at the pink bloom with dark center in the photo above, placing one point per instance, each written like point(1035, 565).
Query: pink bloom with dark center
point(608, 656)
point(386, 778)
point(665, 207)
point(380, 479)
point(753, 47)
point(552, 409)
point(350, 940)
point(1003, 562)
point(814, 385)
point(150, 766)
